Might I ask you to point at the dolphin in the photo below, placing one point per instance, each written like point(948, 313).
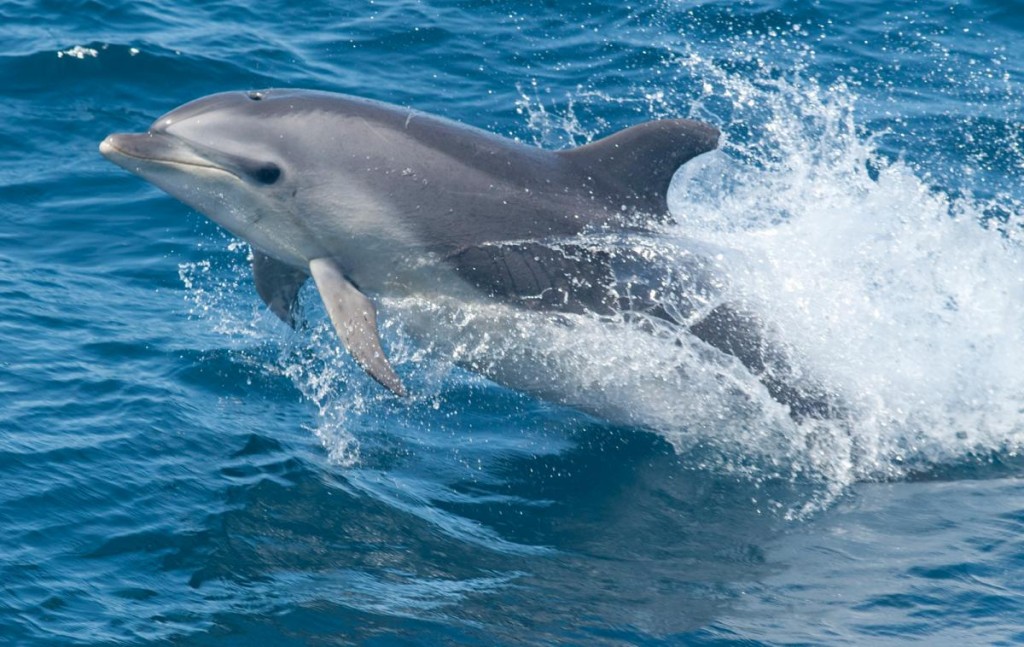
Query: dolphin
point(370, 199)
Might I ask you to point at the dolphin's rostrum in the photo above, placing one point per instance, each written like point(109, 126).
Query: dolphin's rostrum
point(370, 198)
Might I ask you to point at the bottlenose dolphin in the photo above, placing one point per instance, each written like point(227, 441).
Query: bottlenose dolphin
point(369, 198)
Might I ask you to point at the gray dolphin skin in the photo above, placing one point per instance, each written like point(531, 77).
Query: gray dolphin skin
point(373, 199)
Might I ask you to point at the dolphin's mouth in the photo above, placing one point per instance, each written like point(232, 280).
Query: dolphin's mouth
point(154, 148)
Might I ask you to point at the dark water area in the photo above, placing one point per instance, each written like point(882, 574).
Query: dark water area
point(181, 468)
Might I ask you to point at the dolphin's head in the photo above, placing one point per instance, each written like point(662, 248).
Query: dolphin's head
point(228, 155)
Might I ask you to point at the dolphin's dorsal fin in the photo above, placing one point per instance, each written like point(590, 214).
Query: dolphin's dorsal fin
point(355, 320)
point(278, 285)
point(636, 165)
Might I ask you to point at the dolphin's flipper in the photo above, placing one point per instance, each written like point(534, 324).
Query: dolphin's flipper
point(566, 277)
point(278, 285)
point(355, 319)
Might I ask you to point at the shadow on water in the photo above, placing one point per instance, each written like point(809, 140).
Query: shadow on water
point(613, 540)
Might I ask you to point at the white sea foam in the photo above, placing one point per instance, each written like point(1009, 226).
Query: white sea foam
point(78, 52)
point(895, 292)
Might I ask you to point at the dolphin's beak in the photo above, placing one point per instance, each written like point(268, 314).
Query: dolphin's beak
point(144, 146)
point(132, 151)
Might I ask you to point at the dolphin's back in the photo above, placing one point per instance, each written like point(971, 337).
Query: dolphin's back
point(462, 186)
point(621, 180)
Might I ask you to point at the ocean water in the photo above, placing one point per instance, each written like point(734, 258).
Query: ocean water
point(180, 468)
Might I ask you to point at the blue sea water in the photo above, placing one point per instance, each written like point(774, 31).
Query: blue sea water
point(179, 467)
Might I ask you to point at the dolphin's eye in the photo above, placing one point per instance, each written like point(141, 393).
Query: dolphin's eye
point(267, 174)
point(255, 95)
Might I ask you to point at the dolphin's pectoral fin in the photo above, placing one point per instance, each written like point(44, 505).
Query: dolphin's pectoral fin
point(564, 277)
point(278, 285)
point(355, 320)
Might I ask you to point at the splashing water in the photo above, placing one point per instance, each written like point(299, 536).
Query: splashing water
point(905, 299)
point(311, 363)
